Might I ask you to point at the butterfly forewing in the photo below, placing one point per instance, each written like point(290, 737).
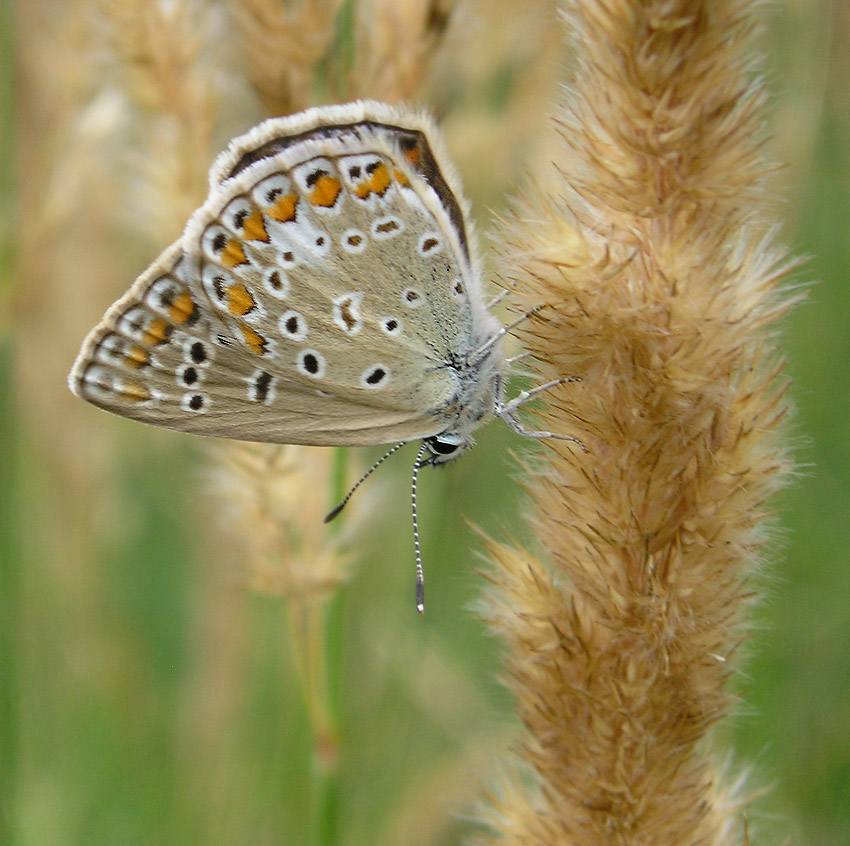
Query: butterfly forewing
point(319, 296)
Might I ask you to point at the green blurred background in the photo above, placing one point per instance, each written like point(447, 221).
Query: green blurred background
point(148, 697)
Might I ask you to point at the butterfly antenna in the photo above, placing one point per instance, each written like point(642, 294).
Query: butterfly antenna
point(362, 479)
point(420, 576)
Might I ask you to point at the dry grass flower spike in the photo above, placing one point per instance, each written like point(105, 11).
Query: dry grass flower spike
point(652, 247)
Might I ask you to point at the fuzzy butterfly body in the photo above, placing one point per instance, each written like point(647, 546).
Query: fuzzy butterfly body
point(325, 293)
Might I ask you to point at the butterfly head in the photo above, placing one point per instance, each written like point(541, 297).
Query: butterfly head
point(440, 449)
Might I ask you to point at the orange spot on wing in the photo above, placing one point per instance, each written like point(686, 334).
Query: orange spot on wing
point(412, 155)
point(284, 208)
point(255, 341)
point(376, 183)
point(134, 392)
point(137, 357)
point(239, 299)
point(233, 254)
point(181, 309)
point(254, 228)
point(325, 191)
point(156, 332)
point(400, 177)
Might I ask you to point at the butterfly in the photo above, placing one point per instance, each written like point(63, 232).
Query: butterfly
point(327, 292)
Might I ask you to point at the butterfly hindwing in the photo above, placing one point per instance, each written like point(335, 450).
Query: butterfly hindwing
point(321, 295)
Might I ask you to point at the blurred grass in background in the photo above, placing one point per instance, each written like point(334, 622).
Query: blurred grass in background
point(148, 697)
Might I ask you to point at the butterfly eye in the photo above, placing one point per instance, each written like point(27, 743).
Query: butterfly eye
point(445, 447)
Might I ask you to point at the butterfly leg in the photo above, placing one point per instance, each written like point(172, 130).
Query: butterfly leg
point(481, 353)
point(497, 299)
point(506, 410)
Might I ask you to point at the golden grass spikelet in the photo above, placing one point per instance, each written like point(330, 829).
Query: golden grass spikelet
point(263, 489)
point(62, 243)
point(159, 51)
point(650, 247)
point(396, 43)
point(281, 46)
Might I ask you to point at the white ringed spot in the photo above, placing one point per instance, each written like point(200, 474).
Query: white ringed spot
point(111, 349)
point(188, 375)
point(387, 227)
point(235, 213)
point(375, 376)
point(161, 296)
point(354, 241)
point(197, 352)
point(214, 240)
point(293, 326)
point(392, 325)
point(286, 258)
point(261, 387)
point(98, 381)
point(276, 282)
point(215, 282)
point(347, 312)
point(268, 194)
point(311, 363)
point(429, 244)
point(145, 328)
point(195, 401)
point(412, 297)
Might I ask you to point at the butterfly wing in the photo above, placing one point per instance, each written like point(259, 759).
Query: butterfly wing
point(321, 295)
